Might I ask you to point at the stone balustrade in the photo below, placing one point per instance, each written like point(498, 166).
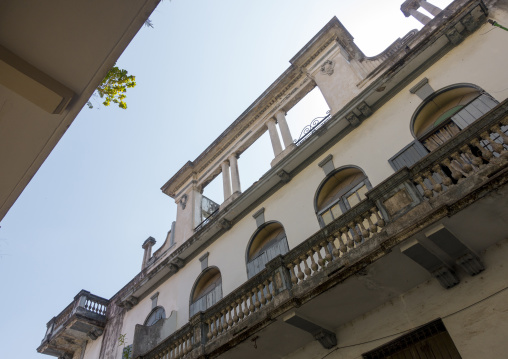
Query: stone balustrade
point(482, 143)
point(83, 319)
point(85, 304)
point(356, 234)
point(180, 344)
point(236, 308)
point(348, 232)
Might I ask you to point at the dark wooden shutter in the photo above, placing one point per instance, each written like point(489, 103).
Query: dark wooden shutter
point(408, 156)
point(474, 110)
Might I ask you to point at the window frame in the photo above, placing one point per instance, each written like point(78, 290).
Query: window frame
point(342, 201)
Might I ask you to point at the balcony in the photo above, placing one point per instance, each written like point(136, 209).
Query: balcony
point(84, 319)
point(454, 197)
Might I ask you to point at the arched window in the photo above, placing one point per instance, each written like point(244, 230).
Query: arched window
point(339, 192)
point(267, 243)
point(447, 111)
point(441, 116)
point(206, 291)
point(155, 315)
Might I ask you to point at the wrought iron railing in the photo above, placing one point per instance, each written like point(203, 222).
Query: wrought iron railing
point(206, 220)
point(314, 125)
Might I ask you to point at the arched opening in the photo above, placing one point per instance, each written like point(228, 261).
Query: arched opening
point(447, 111)
point(207, 290)
point(339, 192)
point(268, 242)
point(155, 315)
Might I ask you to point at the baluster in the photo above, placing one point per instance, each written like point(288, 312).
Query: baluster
point(497, 129)
point(486, 154)
point(262, 293)
point(335, 251)
point(215, 330)
point(294, 280)
point(241, 313)
point(313, 264)
point(349, 237)
point(456, 175)
point(342, 246)
point(257, 304)
point(189, 342)
point(465, 166)
point(184, 345)
point(380, 221)
point(267, 285)
point(299, 273)
point(497, 147)
point(251, 305)
point(177, 350)
point(426, 192)
point(209, 334)
point(474, 160)
point(435, 186)
point(356, 234)
point(447, 181)
point(328, 253)
point(372, 226)
point(235, 315)
point(230, 319)
point(363, 230)
point(321, 260)
point(306, 269)
point(224, 320)
point(245, 306)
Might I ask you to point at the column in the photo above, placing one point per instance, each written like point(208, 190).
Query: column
point(274, 137)
point(424, 19)
point(226, 180)
point(433, 9)
point(147, 246)
point(235, 176)
point(284, 129)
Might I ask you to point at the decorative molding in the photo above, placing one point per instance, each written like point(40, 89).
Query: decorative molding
point(183, 201)
point(259, 216)
point(225, 224)
point(365, 109)
point(353, 119)
point(284, 176)
point(327, 67)
point(204, 261)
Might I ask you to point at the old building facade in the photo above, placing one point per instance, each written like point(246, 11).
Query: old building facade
point(380, 232)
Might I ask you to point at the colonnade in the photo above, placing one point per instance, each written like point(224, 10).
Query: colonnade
point(229, 168)
point(410, 8)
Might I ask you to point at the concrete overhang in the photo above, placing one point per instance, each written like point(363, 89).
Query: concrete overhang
point(52, 58)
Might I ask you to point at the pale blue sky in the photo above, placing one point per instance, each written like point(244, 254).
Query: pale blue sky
point(80, 222)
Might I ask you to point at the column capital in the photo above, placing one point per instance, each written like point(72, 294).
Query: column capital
point(271, 120)
point(280, 112)
point(149, 242)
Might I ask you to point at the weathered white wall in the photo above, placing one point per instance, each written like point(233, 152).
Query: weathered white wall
point(369, 147)
point(474, 315)
point(93, 348)
point(339, 87)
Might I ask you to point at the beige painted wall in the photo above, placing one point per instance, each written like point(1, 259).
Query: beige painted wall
point(369, 147)
point(475, 313)
point(93, 348)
